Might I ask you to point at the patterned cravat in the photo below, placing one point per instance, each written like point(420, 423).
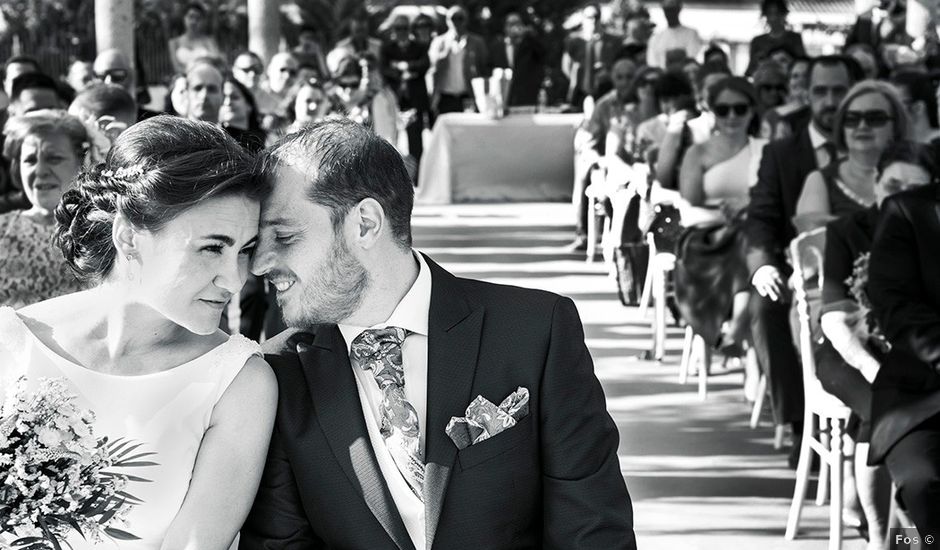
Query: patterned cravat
point(379, 350)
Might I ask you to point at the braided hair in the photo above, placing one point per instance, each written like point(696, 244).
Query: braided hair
point(156, 170)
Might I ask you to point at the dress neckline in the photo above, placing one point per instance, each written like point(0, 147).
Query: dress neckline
point(58, 358)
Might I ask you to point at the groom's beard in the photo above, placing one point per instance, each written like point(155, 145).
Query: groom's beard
point(333, 292)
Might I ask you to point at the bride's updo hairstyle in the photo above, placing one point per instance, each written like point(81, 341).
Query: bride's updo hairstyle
point(156, 170)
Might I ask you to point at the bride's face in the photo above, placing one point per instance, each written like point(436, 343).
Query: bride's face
point(190, 269)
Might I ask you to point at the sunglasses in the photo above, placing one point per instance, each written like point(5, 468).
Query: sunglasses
point(780, 88)
point(725, 109)
point(250, 69)
point(289, 71)
point(116, 75)
point(875, 118)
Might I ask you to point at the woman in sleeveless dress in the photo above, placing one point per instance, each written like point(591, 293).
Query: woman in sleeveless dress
point(870, 118)
point(163, 230)
point(194, 43)
point(715, 181)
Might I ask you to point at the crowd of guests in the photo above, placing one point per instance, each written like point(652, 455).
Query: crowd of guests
point(846, 142)
point(751, 160)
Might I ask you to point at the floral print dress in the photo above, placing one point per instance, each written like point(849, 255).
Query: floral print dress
point(32, 269)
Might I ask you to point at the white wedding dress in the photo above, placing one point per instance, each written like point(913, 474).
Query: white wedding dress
point(167, 412)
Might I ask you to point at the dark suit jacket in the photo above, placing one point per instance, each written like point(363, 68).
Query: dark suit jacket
point(904, 287)
point(528, 68)
point(572, 63)
point(783, 169)
point(551, 481)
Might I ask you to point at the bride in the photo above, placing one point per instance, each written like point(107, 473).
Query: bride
point(163, 231)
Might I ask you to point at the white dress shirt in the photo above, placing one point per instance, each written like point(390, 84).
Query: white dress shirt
point(411, 314)
point(672, 38)
point(454, 82)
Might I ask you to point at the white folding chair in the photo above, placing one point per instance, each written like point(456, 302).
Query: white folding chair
point(820, 406)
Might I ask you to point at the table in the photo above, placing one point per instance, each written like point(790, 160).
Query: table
point(520, 158)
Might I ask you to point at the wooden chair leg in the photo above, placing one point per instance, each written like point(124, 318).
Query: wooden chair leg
point(835, 498)
point(802, 480)
point(822, 488)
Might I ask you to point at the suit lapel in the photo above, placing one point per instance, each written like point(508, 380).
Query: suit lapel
point(453, 344)
point(336, 401)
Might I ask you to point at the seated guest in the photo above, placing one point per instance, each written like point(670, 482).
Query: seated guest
point(715, 180)
point(249, 70)
point(106, 110)
point(775, 14)
point(113, 67)
point(33, 92)
point(637, 30)
point(80, 76)
point(902, 284)
point(614, 112)
point(784, 166)
point(868, 121)
point(358, 43)
point(312, 104)
point(16, 66)
point(798, 82)
point(239, 116)
point(45, 149)
point(849, 362)
point(676, 103)
point(203, 92)
point(282, 74)
point(919, 99)
point(715, 54)
point(771, 83)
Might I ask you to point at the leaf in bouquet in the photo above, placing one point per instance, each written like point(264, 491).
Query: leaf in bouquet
point(116, 455)
point(137, 464)
point(28, 540)
point(137, 479)
point(134, 457)
point(131, 499)
point(115, 446)
point(119, 535)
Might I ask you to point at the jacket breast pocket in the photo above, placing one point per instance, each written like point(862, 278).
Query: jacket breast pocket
point(495, 446)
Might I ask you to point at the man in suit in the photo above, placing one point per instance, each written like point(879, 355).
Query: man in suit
point(769, 229)
point(588, 56)
point(388, 350)
point(457, 57)
point(903, 275)
point(520, 50)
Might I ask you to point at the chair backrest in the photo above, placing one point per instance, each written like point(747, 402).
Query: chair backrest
point(807, 252)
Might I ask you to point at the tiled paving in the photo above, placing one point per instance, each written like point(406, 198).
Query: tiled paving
point(700, 478)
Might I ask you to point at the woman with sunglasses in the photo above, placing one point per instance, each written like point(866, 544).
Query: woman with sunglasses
point(715, 181)
point(850, 357)
point(867, 122)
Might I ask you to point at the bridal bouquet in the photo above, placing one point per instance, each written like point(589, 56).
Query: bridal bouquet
point(858, 287)
point(54, 471)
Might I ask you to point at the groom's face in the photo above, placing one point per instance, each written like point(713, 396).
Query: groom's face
point(317, 277)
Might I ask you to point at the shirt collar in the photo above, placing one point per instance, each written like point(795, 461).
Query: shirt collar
point(816, 137)
point(412, 311)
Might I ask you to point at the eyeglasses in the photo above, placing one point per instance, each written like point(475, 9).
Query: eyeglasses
point(725, 109)
point(875, 118)
point(116, 75)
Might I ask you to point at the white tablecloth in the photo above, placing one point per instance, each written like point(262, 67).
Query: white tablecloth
point(520, 158)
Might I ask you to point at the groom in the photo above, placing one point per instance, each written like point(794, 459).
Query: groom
point(376, 444)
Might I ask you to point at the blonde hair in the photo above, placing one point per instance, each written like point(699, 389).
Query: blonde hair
point(901, 122)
